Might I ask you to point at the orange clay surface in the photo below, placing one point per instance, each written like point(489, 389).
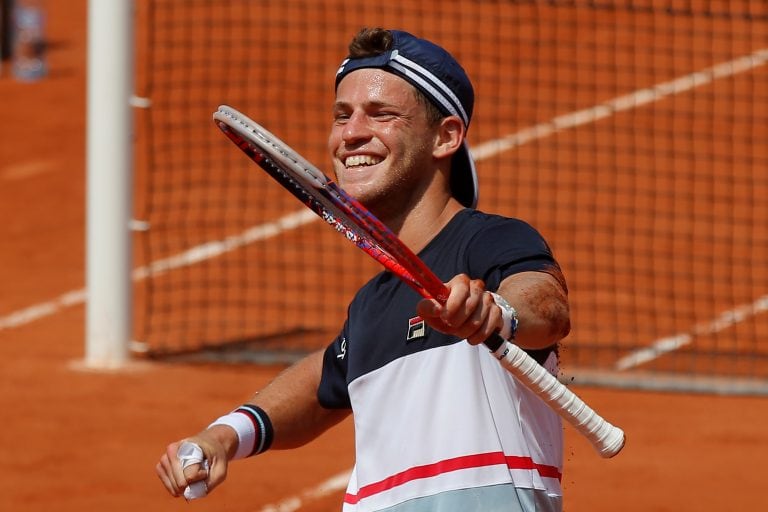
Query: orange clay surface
point(74, 440)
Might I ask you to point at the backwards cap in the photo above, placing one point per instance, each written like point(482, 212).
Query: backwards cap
point(435, 73)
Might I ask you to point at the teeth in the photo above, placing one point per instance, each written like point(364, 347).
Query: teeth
point(358, 160)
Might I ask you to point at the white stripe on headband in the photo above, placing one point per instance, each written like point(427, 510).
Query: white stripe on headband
point(341, 67)
point(427, 80)
point(445, 95)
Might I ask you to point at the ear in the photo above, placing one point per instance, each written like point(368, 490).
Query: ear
point(450, 135)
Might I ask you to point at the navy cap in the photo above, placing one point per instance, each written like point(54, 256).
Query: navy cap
point(434, 72)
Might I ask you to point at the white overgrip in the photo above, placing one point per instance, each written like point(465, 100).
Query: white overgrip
point(607, 439)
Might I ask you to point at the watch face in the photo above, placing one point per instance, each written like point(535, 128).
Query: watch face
point(501, 301)
point(509, 315)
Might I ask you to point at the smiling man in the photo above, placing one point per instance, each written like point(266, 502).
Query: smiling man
point(439, 424)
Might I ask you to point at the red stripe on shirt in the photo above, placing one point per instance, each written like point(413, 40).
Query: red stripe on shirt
point(448, 465)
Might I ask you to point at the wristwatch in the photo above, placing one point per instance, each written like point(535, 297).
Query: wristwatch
point(509, 314)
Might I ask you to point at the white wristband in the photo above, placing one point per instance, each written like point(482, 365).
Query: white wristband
point(509, 315)
point(245, 429)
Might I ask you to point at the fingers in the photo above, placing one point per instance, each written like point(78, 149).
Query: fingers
point(190, 471)
point(469, 312)
point(193, 460)
point(464, 301)
point(169, 471)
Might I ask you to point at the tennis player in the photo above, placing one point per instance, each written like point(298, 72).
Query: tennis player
point(439, 424)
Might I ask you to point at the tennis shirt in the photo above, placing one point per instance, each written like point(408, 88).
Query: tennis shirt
point(440, 426)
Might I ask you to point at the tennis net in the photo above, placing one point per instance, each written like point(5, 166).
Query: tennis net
point(630, 133)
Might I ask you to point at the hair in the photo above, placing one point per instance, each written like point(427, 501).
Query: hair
point(370, 42)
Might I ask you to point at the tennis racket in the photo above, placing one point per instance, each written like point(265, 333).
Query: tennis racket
point(361, 227)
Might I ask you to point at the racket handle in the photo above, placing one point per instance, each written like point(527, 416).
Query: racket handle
point(606, 438)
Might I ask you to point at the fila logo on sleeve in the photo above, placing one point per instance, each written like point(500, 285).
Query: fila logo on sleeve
point(416, 329)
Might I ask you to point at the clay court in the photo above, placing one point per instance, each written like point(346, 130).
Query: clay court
point(77, 440)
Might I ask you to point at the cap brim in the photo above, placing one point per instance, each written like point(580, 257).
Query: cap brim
point(464, 177)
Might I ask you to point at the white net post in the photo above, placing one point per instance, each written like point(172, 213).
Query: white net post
point(109, 168)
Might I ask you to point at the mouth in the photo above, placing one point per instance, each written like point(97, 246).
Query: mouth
point(358, 161)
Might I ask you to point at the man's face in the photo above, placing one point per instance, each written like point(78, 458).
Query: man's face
point(380, 142)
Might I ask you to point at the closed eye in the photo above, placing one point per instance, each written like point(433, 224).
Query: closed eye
point(340, 118)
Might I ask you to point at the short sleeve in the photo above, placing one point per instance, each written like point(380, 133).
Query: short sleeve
point(332, 392)
point(506, 247)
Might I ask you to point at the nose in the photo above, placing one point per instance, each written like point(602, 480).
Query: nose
point(356, 129)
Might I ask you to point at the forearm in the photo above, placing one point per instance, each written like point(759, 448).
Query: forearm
point(290, 401)
point(285, 414)
point(541, 303)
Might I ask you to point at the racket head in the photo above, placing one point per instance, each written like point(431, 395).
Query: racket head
point(318, 192)
point(243, 130)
